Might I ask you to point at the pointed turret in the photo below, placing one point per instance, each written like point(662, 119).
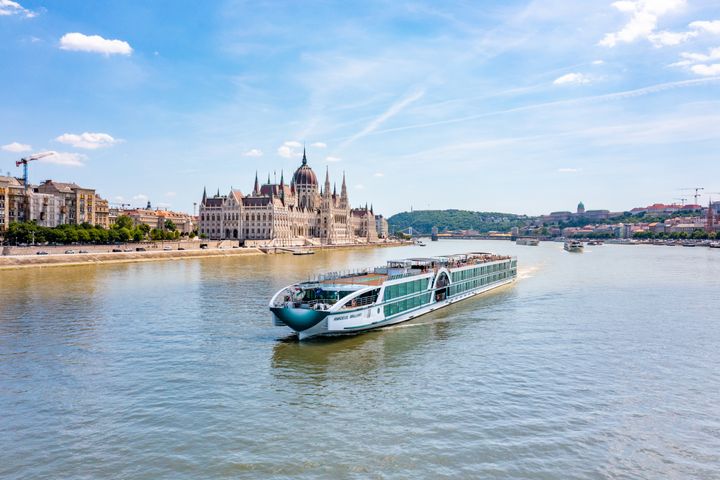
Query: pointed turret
point(218, 192)
point(326, 189)
point(268, 182)
point(371, 209)
point(304, 160)
point(204, 195)
point(282, 186)
point(334, 190)
point(256, 188)
point(343, 188)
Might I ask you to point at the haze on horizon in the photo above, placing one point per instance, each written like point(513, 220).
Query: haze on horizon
point(517, 106)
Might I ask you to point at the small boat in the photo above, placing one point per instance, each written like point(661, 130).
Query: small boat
point(532, 242)
point(595, 242)
point(714, 245)
point(420, 243)
point(304, 252)
point(574, 246)
point(688, 244)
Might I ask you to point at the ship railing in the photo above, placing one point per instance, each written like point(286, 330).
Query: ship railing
point(360, 302)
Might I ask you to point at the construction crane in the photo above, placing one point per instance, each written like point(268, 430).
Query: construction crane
point(682, 200)
point(24, 163)
point(697, 192)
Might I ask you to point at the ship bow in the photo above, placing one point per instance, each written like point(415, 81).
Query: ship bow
point(298, 319)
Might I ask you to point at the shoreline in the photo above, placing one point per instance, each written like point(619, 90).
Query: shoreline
point(17, 262)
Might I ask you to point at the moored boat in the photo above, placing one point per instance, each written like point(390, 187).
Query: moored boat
point(342, 303)
point(533, 242)
point(573, 246)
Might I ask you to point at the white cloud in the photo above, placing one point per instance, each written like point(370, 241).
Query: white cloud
point(66, 159)
point(87, 140)
point(706, 70)
point(288, 149)
point(643, 21)
point(8, 7)
point(359, 186)
point(568, 170)
point(253, 152)
point(598, 62)
point(170, 194)
point(94, 43)
point(379, 174)
point(670, 39)
point(333, 159)
point(318, 145)
point(17, 147)
point(140, 196)
point(700, 63)
point(572, 79)
point(707, 26)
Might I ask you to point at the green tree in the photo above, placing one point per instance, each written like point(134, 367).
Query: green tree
point(170, 225)
point(124, 234)
point(123, 221)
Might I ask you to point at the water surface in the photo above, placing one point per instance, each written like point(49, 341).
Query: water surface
point(604, 364)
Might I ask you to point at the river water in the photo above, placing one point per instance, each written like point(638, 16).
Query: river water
point(604, 364)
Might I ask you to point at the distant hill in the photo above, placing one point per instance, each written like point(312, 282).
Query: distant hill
point(423, 220)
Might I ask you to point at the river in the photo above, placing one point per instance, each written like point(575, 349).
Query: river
point(604, 364)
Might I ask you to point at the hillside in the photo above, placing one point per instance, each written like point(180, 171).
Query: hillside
point(423, 221)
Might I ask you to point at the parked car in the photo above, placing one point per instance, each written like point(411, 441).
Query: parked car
point(69, 252)
point(116, 250)
point(41, 253)
point(203, 245)
point(83, 251)
point(167, 248)
point(127, 250)
point(140, 249)
point(181, 248)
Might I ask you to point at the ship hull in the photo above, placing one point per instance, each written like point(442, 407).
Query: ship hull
point(366, 319)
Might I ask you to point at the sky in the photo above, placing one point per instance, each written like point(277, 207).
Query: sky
point(511, 106)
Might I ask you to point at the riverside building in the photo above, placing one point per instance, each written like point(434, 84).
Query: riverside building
point(294, 214)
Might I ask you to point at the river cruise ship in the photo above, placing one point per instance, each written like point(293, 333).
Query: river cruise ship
point(341, 303)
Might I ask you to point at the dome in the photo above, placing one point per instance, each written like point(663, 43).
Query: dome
point(304, 175)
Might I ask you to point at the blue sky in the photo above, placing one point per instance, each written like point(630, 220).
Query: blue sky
point(515, 106)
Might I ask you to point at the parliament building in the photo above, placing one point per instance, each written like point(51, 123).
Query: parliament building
point(279, 214)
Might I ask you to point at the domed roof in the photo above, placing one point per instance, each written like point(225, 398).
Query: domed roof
point(304, 175)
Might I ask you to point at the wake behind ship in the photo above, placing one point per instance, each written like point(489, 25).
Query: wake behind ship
point(341, 303)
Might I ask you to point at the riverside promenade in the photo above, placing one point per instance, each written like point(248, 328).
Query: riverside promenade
point(27, 257)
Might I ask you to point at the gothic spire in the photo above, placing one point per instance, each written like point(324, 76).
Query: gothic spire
point(256, 188)
point(204, 195)
point(304, 160)
point(334, 190)
point(327, 181)
point(282, 178)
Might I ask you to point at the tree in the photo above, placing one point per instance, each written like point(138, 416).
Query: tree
point(170, 225)
point(124, 221)
point(124, 234)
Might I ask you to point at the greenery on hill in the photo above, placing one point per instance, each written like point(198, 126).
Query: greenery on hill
point(422, 221)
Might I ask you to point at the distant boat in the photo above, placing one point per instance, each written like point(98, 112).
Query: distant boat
point(574, 246)
point(532, 242)
point(420, 243)
point(688, 244)
point(304, 252)
point(595, 242)
point(714, 245)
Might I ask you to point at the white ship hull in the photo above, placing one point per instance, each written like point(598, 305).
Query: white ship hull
point(365, 319)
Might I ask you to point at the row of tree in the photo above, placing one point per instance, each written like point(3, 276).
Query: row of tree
point(122, 231)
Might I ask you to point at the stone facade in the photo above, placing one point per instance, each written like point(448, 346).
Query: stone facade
point(279, 214)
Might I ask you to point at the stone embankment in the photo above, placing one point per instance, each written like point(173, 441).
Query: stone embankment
point(27, 257)
point(60, 259)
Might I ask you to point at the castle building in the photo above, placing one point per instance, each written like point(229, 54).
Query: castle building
point(300, 213)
